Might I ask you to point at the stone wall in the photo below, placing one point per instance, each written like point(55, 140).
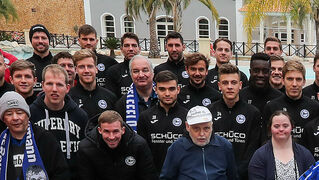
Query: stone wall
point(59, 16)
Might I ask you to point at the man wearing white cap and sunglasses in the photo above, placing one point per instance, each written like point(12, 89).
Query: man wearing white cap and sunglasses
point(199, 154)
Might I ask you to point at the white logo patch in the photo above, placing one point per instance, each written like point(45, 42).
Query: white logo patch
point(130, 161)
point(102, 104)
point(6, 61)
point(177, 122)
point(304, 113)
point(101, 67)
point(206, 102)
point(240, 119)
point(184, 74)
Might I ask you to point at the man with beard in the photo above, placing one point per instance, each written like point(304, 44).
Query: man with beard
point(236, 120)
point(275, 79)
point(222, 51)
point(163, 123)
point(259, 92)
point(87, 94)
point(40, 39)
point(22, 76)
point(118, 78)
point(175, 62)
point(301, 108)
point(197, 92)
point(141, 94)
point(312, 91)
point(65, 60)
point(88, 40)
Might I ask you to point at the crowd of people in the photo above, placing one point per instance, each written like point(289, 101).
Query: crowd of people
point(86, 116)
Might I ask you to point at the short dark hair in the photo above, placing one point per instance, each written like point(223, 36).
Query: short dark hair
point(315, 59)
point(86, 30)
point(228, 68)
point(60, 55)
point(278, 113)
point(129, 35)
point(276, 58)
point(272, 38)
point(21, 65)
point(194, 58)
point(165, 76)
point(259, 56)
point(110, 116)
point(84, 53)
point(222, 39)
point(174, 35)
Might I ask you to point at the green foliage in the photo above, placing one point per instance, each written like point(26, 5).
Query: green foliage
point(8, 10)
point(111, 42)
point(5, 36)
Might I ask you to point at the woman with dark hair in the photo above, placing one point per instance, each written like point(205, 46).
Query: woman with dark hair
point(280, 158)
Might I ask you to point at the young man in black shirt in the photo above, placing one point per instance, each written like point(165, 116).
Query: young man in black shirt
point(197, 92)
point(312, 91)
point(163, 123)
point(236, 120)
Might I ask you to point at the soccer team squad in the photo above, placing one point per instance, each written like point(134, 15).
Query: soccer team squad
point(86, 116)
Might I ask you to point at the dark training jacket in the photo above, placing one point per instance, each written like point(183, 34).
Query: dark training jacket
point(77, 119)
point(103, 64)
point(161, 129)
point(131, 160)
point(311, 91)
point(240, 125)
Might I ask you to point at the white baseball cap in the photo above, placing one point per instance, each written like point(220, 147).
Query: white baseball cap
point(198, 114)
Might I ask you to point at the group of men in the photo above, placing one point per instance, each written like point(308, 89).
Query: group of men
point(128, 120)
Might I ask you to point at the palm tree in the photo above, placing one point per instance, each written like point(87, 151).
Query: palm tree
point(296, 9)
point(177, 7)
point(150, 7)
point(7, 9)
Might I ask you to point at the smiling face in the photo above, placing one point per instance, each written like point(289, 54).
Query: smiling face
point(111, 133)
point(55, 89)
point(222, 53)
point(197, 73)
point(259, 73)
point(175, 49)
point(281, 128)
point(276, 72)
point(17, 122)
point(40, 42)
point(86, 71)
point(141, 73)
point(23, 81)
point(200, 133)
point(294, 82)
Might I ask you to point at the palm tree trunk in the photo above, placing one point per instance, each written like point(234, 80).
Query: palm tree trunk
point(154, 51)
point(317, 34)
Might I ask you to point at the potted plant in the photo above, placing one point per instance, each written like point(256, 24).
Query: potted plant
point(111, 43)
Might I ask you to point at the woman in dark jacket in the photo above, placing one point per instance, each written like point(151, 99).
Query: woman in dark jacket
point(280, 157)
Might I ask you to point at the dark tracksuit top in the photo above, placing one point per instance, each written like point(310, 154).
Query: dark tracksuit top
point(178, 69)
point(301, 111)
point(161, 129)
point(310, 137)
point(93, 102)
point(39, 64)
point(118, 78)
point(103, 64)
point(241, 126)
point(212, 78)
point(191, 96)
point(311, 91)
point(257, 98)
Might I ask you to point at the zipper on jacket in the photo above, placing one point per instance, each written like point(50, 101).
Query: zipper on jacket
point(203, 150)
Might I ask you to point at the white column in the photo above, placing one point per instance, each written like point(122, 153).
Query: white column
point(288, 29)
point(261, 31)
point(309, 36)
point(87, 12)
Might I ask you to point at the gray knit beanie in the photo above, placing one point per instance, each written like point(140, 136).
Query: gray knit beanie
point(10, 100)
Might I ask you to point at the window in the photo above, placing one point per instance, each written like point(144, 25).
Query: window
point(164, 26)
point(302, 38)
point(128, 24)
point(109, 26)
point(203, 28)
point(223, 29)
